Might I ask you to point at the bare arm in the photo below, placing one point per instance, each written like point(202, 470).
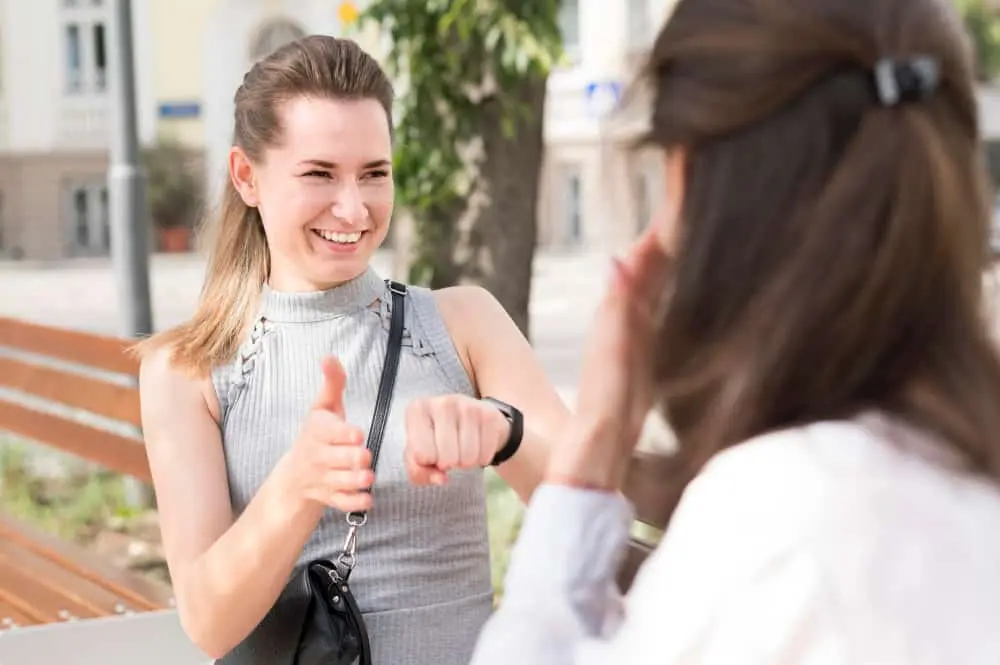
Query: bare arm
point(503, 365)
point(226, 574)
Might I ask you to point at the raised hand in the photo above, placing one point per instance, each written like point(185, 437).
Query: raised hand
point(616, 382)
point(451, 432)
point(329, 462)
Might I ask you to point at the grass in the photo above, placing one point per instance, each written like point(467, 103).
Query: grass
point(73, 507)
point(505, 512)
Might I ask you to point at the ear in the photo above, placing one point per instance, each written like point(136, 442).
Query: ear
point(241, 172)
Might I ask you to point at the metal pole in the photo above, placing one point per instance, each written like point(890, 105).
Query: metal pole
point(127, 183)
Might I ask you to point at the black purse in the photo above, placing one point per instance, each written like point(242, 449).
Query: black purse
point(334, 632)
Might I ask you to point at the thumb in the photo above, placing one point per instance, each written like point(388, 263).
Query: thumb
point(331, 393)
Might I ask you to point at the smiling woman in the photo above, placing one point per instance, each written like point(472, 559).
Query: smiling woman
point(255, 433)
point(329, 190)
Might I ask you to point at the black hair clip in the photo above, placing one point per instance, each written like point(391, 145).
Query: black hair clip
point(906, 80)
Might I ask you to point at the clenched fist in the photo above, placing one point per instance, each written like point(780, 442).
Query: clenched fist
point(451, 432)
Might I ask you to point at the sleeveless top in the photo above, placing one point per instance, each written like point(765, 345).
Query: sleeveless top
point(423, 573)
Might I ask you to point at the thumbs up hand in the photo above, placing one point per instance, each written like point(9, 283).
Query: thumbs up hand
point(329, 462)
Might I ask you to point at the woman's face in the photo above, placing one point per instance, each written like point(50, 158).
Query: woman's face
point(325, 193)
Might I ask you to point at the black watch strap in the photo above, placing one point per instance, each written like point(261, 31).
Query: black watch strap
point(516, 420)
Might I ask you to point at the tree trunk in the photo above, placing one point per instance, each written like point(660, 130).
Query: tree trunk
point(490, 238)
point(502, 234)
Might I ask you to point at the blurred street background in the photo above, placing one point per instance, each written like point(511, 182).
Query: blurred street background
point(115, 122)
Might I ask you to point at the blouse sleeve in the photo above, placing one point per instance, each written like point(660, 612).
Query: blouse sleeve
point(728, 584)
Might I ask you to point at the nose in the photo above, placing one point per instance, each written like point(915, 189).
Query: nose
point(348, 204)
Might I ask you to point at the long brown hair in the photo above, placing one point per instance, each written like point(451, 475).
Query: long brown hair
point(239, 261)
point(832, 249)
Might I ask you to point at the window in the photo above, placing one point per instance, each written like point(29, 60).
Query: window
point(100, 58)
point(74, 58)
point(640, 25)
point(89, 224)
point(104, 211)
point(569, 26)
point(274, 35)
point(572, 205)
point(81, 219)
point(85, 45)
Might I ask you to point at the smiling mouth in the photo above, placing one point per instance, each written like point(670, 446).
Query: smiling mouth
point(339, 238)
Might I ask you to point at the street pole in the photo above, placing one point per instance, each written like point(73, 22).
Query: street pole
point(129, 210)
point(127, 183)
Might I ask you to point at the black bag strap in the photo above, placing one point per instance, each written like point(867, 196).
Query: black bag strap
point(390, 369)
point(380, 417)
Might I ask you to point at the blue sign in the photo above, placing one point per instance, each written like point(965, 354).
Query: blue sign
point(179, 110)
point(603, 96)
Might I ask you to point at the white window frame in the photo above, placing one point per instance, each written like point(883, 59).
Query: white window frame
point(88, 16)
point(96, 200)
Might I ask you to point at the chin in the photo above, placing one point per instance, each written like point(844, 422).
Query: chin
point(342, 270)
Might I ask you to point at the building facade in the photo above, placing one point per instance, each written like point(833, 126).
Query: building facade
point(55, 116)
point(238, 32)
point(598, 190)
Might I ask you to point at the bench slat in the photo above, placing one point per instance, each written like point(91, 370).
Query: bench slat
point(95, 396)
point(76, 591)
point(135, 592)
point(109, 450)
point(46, 603)
point(9, 612)
point(99, 351)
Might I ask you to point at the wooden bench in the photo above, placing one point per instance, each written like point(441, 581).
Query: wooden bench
point(76, 393)
point(653, 488)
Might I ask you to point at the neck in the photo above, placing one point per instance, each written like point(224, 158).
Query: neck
point(303, 302)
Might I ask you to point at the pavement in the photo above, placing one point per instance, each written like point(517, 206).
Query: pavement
point(81, 295)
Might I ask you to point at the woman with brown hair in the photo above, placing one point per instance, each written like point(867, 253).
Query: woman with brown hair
point(265, 484)
point(808, 313)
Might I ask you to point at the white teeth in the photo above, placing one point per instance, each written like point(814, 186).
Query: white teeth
point(343, 238)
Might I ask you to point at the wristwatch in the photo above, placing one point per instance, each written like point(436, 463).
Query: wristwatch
point(516, 420)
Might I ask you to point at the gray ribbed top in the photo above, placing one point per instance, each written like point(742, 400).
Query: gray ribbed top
point(423, 572)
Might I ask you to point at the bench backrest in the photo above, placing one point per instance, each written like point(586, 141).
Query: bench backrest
point(92, 375)
point(653, 487)
point(73, 391)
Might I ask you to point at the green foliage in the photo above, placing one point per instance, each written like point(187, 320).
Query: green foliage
point(505, 512)
point(983, 25)
point(71, 508)
point(449, 57)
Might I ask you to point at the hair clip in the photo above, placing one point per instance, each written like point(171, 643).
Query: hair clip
point(905, 80)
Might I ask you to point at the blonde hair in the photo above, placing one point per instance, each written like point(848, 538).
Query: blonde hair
point(239, 260)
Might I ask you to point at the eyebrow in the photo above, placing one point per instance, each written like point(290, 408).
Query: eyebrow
point(323, 164)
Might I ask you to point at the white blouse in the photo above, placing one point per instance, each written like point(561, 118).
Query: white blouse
point(840, 543)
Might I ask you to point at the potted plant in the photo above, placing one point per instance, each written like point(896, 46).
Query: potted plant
point(174, 191)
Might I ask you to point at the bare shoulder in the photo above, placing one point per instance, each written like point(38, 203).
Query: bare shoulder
point(468, 305)
point(163, 386)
